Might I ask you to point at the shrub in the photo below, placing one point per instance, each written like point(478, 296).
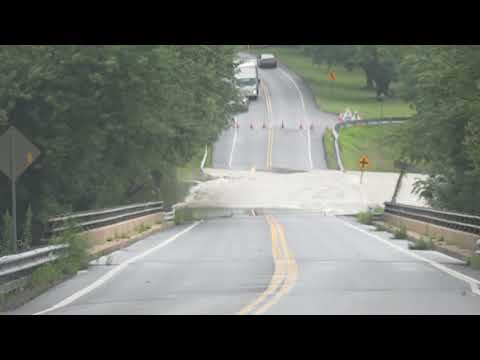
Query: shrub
point(44, 276)
point(422, 244)
point(77, 257)
point(475, 262)
point(365, 218)
point(400, 233)
point(183, 215)
point(379, 227)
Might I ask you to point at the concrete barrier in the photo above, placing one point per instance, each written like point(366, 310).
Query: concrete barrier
point(100, 236)
point(457, 238)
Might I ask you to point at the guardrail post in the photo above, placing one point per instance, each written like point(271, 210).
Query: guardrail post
point(398, 186)
point(477, 252)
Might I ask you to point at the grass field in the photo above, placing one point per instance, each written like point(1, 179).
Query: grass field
point(373, 141)
point(347, 91)
point(329, 145)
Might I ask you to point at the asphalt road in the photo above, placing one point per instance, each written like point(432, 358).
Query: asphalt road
point(215, 268)
point(287, 129)
point(284, 264)
point(273, 263)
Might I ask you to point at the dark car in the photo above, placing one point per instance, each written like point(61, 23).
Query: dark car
point(267, 61)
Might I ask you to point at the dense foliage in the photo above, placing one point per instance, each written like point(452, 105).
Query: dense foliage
point(111, 121)
point(379, 62)
point(443, 84)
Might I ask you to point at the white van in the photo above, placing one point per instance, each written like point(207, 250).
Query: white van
point(247, 80)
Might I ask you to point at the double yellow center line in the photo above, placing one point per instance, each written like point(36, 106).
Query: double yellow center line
point(268, 103)
point(284, 277)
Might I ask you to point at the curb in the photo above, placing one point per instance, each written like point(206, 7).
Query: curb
point(436, 247)
point(126, 243)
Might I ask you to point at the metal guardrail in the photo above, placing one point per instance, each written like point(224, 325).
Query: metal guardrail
point(169, 216)
point(99, 218)
point(27, 260)
point(14, 269)
point(456, 221)
point(347, 124)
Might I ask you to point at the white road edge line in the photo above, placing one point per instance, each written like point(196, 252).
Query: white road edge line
point(233, 145)
point(204, 160)
point(470, 281)
point(114, 272)
point(305, 114)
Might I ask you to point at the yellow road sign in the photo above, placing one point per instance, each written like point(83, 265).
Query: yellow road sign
point(333, 75)
point(364, 162)
point(16, 150)
point(29, 159)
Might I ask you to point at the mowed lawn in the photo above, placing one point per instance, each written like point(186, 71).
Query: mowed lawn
point(375, 142)
point(329, 145)
point(347, 90)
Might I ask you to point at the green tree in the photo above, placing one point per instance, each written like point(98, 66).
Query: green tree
point(7, 234)
point(379, 62)
point(331, 54)
point(111, 121)
point(26, 240)
point(445, 130)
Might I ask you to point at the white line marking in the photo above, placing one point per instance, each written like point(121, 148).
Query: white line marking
point(233, 145)
point(475, 288)
point(471, 281)
point(310, 148)
point(204, 158)
point(305, 114)
point(114, 272)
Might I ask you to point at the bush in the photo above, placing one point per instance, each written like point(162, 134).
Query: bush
point(380, 228)
point(365, 218)
point(400, 233)
point(475, 262)
point(77, 257)
point(44, 276)
point(183, 216)
point(422, 244)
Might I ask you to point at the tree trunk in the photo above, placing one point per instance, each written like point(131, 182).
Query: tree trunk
point(383, 87)
point(370, 83)
point(370, 78)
